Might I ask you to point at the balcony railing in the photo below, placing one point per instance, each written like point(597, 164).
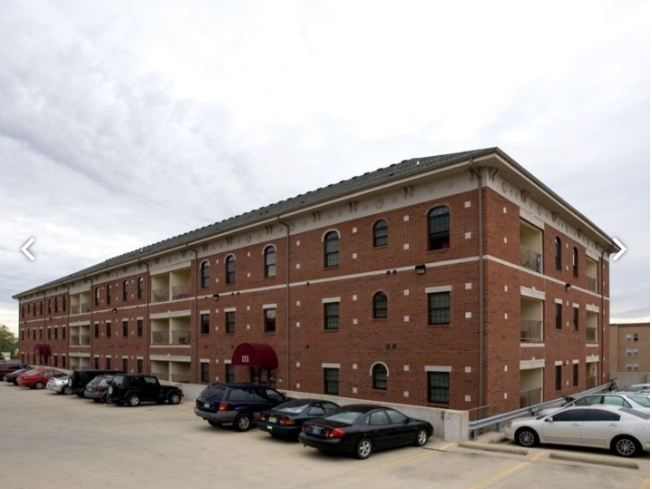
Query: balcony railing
point(160, 295)
point(75, 309)
point(181, 337)
point(531, 331)
point(591, 284)
point(591, 335)
point(531, 397)
point(85, 307)
point(181, 292)
point(74, 339)
point(176, 337)
point(530, 259)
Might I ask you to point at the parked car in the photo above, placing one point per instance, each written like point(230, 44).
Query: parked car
point(359, 429)
point(236, 404)
point(638, 402)
point(38, 377)
point(134, 389)
point(97, 388)
point(80, 377)
point(638, 389)
point(12, 378)
point(58, 385)
point(9, 367)
point(623, 430)
point(285, 420)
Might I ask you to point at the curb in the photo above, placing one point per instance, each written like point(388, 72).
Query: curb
point(623, 464)
point(493, 447)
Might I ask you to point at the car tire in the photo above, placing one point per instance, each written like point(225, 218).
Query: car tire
point(422, 437)
point(363, 448)
point(39, 385)
point(626, 446)
point(133, 400)
point(174, 398)
point(527, 437)
point(242, 422)
point(66, 390)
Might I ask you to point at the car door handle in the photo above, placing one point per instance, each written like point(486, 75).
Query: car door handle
point(576, 424)
point(613, 425)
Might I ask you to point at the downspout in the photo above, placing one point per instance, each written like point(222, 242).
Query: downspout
point(287, 302)
point(478, 174)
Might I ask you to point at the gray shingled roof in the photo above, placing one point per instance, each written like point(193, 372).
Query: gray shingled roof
point(394, 172)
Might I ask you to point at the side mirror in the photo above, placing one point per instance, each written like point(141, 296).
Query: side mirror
point(550, 419)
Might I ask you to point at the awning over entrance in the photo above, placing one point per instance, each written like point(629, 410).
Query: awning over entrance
point(44, 350)
point(254, 355)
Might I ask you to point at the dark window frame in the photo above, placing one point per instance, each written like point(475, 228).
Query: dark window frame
point(439, 228)
point(269, 320)
point(380, 305)
point(439, 387)
point(230, 269)
point(205, 274)
point(205, 323)
point(380, 233)
point(558, 377)
point(332, 381)
point(269, 258)
point(125, 329)
point(331, 316)
point(379, 376)
point(331, 249)
point(439, 313)
point(229, 322)
point(558, 315)
point(558, 252)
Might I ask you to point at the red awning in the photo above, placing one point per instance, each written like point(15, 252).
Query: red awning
point(254, 355)
point(44, 350)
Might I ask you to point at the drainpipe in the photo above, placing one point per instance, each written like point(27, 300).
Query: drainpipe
point(287, 302)
point(478, 174)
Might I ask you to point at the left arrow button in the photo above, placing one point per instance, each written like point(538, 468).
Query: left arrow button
point(27, 245)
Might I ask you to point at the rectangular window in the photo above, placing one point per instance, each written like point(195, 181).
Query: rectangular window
point(97, 363)
point(97, 330)
point(108, 329)
point(557, 377)
point(439, 308)
point(332, 315)
point(205, 323)
point(63, 332)
point(631, 337)
point(576, 374)
point(439, 387)
point(139, 327)
point(141, 288)
point(229, 321)
point(140, 366)
point(558, 320)
point(125, 290)
point(108, 363)
point(125, 328)
point(229, 373)
point(49, 334)
point(576, 318)
point(332, 381)
point(270, 319)
point(97, 296)
point(631, 352)
point(56, 333)
point(204, 372)
point(125, 365)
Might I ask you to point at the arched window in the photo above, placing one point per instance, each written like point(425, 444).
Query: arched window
point(380, 305)
point(438, 228)
point(230, 269)
point(558, 253)
point(108, 294)
point(379, 376)
point(141, 287)
point(331, 249)
point(125, 290)
point(575, 264)
point(270, 261)
point(205, 274)
point(380, 233)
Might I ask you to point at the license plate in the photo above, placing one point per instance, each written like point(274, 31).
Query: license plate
point(272, 419)
point(207, 405)
point(316, 430)
point(269, 427)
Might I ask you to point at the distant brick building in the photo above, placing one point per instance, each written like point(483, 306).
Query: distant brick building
point(456, 281)
point(630, 347)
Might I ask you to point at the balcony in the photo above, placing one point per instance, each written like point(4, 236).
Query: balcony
point(176, 337)
point(85, 307)
point(75, 309)
point(531, 397)
point(591, 335)
point(530, 259)
point(181, 292)
point(160, 295)
point(531, 331)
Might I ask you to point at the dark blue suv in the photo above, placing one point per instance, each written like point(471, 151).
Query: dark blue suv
point(236, 404)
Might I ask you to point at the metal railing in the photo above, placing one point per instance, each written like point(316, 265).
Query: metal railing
point(160, 295)
point(176, 337)
point(530, 259)
point(85, 307)
point(531, 397)
point(531, 331)
point(181, 292)
point(496, 421)
point(75, 309)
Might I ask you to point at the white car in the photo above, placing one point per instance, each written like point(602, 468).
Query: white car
point(623, 430)
point(622, 399)
point(59, 385)
point(638, 389)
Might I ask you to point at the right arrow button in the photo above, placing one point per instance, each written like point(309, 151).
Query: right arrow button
point(622, 249)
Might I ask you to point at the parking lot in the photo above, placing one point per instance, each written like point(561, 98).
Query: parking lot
point(62, 441)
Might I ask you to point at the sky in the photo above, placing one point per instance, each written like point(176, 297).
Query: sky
point(124, 123)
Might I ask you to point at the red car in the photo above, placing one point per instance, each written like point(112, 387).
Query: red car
point(38, 378)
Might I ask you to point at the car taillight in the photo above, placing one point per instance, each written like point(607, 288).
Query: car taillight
point(224, 406)
point(336, 433)
point(262, 417)
point(286, 421)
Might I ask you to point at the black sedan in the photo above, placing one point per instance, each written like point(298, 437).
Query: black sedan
point(359, 429)
point(285, 420)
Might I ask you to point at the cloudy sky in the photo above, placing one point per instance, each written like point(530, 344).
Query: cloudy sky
point(123, 123)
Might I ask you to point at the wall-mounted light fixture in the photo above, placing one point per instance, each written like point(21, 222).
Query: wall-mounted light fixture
point(420, 269)
point(568, 287)
point(216, 297)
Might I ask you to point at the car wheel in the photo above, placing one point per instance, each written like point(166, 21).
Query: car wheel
point(67, 390)
point(422, 437)
point(625, 446)
point(242, 422)
point(175, 398)
point(527, 437)
point(215, 424)
point(39, 385)
point(364, 448)
point(133, 400)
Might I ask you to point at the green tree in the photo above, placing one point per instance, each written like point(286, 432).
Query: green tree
point(8, 340)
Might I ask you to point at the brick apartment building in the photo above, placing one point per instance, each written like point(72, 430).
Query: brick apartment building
point(630, 349)
point(457, 281)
